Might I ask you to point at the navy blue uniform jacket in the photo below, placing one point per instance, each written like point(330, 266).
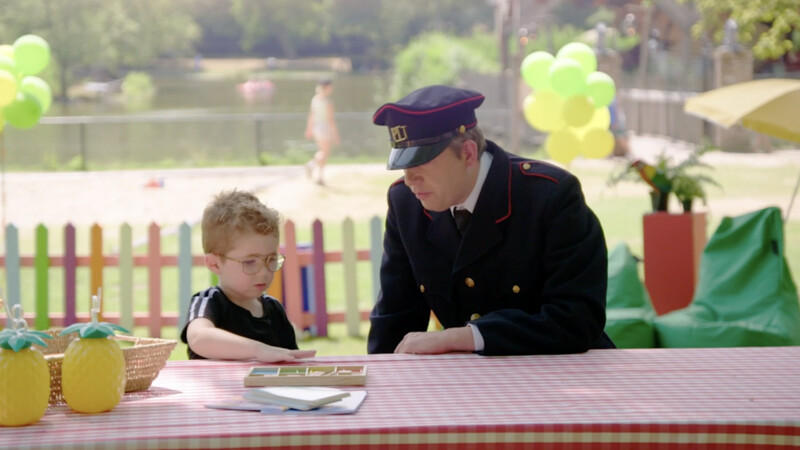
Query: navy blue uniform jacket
point(530, 271)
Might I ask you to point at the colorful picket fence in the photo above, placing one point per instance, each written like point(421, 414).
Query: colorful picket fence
point(303, 274)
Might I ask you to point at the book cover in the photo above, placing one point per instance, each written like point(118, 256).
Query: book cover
point(347, 405)
point(297, 397)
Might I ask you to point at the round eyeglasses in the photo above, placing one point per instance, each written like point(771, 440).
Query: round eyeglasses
point(253, 264)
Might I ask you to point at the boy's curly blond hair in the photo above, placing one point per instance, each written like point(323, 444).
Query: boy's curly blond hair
point(233, 212)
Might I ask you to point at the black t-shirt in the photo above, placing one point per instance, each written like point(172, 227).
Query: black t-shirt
point(273, 328)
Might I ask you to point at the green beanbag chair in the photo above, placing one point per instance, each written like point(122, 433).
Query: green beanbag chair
point(629, 313)
point(745, 294)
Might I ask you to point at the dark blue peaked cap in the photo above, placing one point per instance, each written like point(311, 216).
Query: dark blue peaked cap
point(423, 123)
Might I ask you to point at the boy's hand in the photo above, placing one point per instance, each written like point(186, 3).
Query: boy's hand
point(268, 353)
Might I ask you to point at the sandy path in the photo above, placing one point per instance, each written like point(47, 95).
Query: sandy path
point(357, 191)
point(111, 198)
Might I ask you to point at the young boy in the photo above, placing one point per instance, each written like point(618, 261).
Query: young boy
point(236, 320)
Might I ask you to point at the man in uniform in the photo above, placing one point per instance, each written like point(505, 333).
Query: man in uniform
point(525, 274)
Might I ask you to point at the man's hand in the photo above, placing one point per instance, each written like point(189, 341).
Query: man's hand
point(437, 342)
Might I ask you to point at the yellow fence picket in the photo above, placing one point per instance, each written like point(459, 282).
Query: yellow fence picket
point(96, 264)
point(126, 277)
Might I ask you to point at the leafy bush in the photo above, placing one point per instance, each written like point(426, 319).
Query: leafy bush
point(138, 89)
point(438, 58)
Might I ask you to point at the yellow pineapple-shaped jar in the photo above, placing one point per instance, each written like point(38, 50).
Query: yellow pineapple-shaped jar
point(93, 369)
point(24, 375)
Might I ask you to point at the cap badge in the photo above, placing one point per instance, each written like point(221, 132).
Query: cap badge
point(399, 133)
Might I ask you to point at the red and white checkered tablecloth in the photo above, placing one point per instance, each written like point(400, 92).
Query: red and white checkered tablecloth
point(655, 398)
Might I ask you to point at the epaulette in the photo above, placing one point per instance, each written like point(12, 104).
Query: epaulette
point(532, 168)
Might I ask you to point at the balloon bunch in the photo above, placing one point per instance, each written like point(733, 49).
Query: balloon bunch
point(570, 101)
point(23, 96)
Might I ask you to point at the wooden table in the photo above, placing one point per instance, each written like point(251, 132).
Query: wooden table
point(667, 398)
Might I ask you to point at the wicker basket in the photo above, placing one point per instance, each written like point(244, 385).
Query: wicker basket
point(143, 360)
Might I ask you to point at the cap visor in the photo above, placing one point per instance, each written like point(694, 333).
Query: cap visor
point(406, 157)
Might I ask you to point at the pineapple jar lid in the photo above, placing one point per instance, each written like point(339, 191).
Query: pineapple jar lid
point(18, 336)
point(94, 329)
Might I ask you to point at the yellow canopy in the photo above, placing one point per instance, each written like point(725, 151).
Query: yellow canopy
point(770, 106)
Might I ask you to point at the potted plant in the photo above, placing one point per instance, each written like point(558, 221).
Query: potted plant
point(689, 187)
point(665, 177)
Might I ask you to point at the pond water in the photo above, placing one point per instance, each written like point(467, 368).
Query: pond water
point(270, 92)
point(200, 120)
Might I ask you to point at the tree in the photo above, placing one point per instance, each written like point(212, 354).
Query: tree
point(771, 27)
point(111, 34)
point(290, 22)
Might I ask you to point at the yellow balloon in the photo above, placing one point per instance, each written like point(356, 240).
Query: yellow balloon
point(600, 119)
point(578, 110)
point(8, 88)
point(542, 110)
point(7, 50)
point(597, 143)
point(563, 145)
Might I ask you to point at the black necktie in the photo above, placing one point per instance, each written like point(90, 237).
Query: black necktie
point(462, 218)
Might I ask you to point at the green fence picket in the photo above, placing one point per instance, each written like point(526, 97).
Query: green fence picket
point(41, 265)
point(13, 290)
point(349, 257)
point(184, 272)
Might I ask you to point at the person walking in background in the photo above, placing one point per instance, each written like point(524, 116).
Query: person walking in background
point(503, 249)
point(321, 127)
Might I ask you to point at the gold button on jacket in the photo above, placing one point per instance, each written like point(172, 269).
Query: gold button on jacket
point(422, 288)
point(475, 316)
point(469, 282)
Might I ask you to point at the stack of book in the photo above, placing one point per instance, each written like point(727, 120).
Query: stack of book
point(296, 397)
point(295, 400)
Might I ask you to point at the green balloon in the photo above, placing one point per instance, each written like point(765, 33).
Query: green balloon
point(567, 78)
point(24, 112)
point(581, 53)
point(534, 69)
point(39, 89)
point(31, 53)
point(601, 88)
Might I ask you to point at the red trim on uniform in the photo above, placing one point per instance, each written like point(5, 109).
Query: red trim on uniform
point(427, 214)
point(542, 176)
point(510, 168)
point(408, 111)
point(398, 181)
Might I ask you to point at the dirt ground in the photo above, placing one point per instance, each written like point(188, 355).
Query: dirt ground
point(169, 197)
point(357, 191)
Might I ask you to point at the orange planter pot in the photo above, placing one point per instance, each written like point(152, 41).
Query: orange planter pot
point(673, 244)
